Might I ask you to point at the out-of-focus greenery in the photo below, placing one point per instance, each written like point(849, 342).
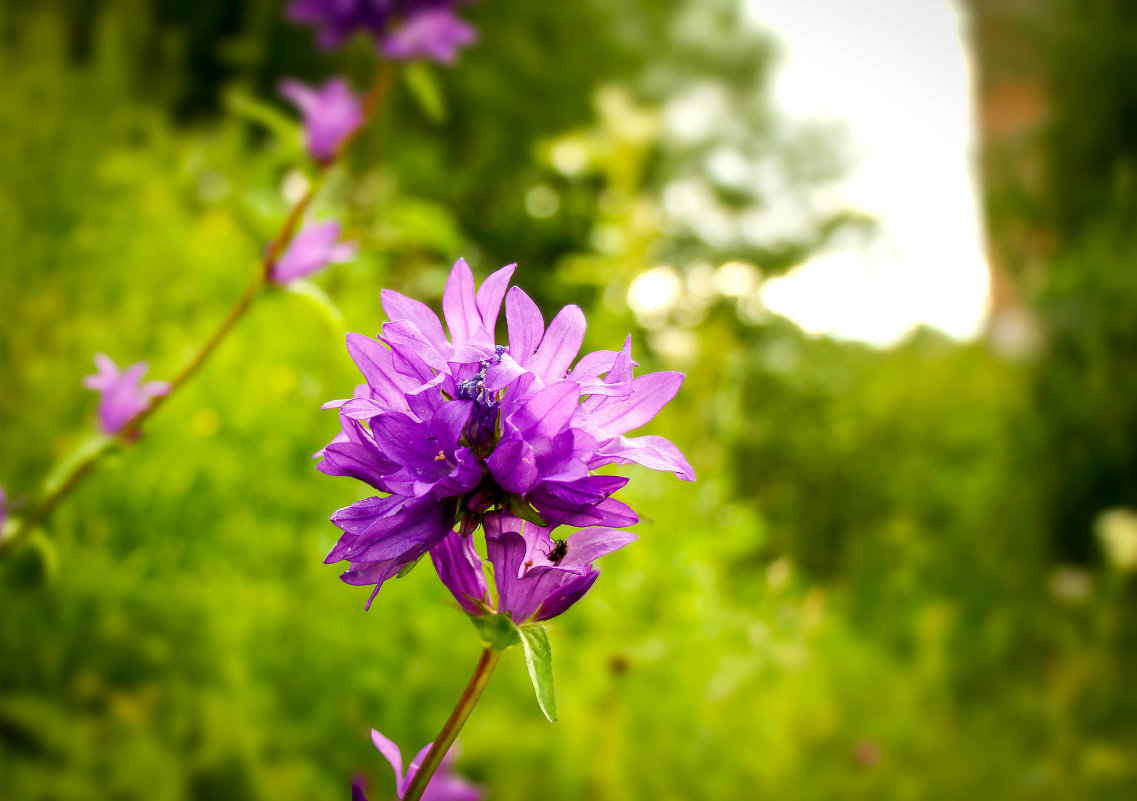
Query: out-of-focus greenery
point(863, 596)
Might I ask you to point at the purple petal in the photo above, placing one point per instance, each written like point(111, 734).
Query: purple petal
point(514, 466)
point(460, 569)
point(459, 304)
point(652, 452)
point(650, 393)
point(382, 529)
point(595, 364)
point(490, 294)
point(399, 307)
point(559, 600)
point(374, 361)
point(413, 768)
point(405, 336)
point(548, 411)
point(503, 373)
point(588, 545)
point(393, 755)
point(506, 551)
point(525, 324)
point(560, 345)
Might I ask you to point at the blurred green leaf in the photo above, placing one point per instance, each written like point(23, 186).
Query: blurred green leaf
point(89, 447)
point(313, 292)
point(424, 86)
point(283, 127)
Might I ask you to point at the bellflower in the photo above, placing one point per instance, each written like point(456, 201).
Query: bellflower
point(331, 113)
point(436, 34)
point(445, 785)
point(536, 577)
point(450, 427)
point(122, 395)
point(311, 250)
point(405, 29)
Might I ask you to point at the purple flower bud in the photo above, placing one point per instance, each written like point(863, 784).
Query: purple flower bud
point(311, 250)
point(445, 784)
point(435, 34)
point(457, 425)
point(122, 396)
point(331, 114)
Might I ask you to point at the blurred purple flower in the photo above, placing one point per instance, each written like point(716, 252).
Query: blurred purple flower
point(3, 509)
point(537, 577)
point(338, 19)
point(436, 34)
point(405, 29)
point(311, 250)
point(445, 785)
point(452, 427)
point(331, 113)
point(122, 395)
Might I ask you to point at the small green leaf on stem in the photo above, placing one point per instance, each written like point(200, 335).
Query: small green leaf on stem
point(498, 631)
point(89, 448)
point(424, 86)
point(539, 660)
point(306, 289)
point(256, 110)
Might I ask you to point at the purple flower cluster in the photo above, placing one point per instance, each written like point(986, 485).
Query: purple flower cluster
point(445, 785)
point(403, 29)
point(122, 395)
point(451, 428)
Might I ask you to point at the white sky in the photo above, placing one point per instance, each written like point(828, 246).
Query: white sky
point(895, 73)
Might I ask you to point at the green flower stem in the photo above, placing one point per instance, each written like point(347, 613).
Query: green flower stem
point(129, 433)
point(454, 724)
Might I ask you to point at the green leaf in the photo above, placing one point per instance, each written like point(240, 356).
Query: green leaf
point(498, 631)
point(306, 289)
point(539, 660)
point(424, 86)
point(88, 448)
point(406, 570)
point(251, 108)
point(519, 507)
point(48, 553)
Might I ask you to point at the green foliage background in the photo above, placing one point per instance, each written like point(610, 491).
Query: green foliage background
point(861, 597)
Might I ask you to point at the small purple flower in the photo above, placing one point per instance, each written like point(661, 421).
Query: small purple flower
point(445, 785)
point(405, 29)
point(3, 510)
point(331, 113)
point(311, 250)
point(452, 427)
point(536, 577)
point(436, 34)
point(122, 395)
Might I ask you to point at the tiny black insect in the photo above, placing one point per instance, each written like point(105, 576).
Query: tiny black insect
point(560, 548)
